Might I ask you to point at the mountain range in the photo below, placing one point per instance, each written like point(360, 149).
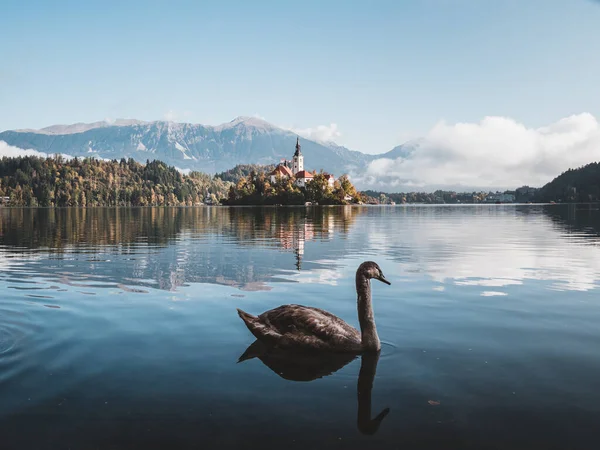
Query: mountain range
point(210, 149)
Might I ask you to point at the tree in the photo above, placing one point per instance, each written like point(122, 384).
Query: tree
point(54, 181)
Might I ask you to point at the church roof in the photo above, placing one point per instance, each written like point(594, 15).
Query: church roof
point(304, 174)
point(282, 170)
point(297, 152)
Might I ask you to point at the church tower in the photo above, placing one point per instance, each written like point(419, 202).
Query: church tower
point(298, 161)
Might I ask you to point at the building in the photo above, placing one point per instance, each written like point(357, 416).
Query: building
point(298, 160)
point(499, 197)
point(295, 168)
point(282, 171)
point(303, 177)
point(330, 179)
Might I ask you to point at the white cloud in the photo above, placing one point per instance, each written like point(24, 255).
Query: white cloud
point(10, 151)
point(174, 116)
point(496, 153)
point(170, 115)
point(320, 133)
point(13, 152)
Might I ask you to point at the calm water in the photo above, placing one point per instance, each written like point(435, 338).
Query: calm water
point(118, 328)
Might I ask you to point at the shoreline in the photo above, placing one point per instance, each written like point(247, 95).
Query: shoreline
point(302, 206)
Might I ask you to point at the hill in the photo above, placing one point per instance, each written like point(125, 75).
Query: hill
point(574, 185)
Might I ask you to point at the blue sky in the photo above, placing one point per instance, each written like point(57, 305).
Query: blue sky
point(382, 71)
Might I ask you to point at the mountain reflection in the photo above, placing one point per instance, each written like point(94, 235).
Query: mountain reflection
point(309, 366)
point(255, 248)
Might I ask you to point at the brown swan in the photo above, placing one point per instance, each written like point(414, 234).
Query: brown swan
point(304, 327)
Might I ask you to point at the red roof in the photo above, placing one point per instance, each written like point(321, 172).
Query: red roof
point(282, 170)
point(304, 174)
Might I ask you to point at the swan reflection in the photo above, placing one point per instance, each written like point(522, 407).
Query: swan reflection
point(309, 366)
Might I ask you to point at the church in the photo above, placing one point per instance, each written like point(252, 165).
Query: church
point(295, 169)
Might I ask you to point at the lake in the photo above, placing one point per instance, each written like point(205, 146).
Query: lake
point(118, 327)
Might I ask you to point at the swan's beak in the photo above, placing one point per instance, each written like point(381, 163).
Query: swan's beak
point(383, 280)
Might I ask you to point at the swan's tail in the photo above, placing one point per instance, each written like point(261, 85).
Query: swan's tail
point(250, 321)
point(258, 329)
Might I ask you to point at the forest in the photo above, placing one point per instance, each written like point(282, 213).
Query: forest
point(574, 185)
point(58, 181)
point(243, 171)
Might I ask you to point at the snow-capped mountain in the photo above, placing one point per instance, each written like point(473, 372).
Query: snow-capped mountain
point(205, 148)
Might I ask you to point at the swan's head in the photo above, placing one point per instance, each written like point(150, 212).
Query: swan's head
point(371, 269)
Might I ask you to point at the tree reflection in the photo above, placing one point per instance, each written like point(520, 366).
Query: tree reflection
point(133, 234)
point(574, 218)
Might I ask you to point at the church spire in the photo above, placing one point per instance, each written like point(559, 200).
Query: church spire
point(297, 153)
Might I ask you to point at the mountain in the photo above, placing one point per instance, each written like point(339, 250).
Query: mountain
point(404, 151)
point(211, 149)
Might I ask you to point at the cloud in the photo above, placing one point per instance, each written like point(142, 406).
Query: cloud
point(170, 115)
point(496, 153)
point(10, 151)
point(183, 171)
point(320, 133)
point(173, 116)
point(13, 152)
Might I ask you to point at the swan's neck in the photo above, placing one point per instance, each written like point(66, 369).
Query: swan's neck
point(369, 337)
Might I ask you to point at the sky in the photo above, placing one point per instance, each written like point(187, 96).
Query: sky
point(369, 75)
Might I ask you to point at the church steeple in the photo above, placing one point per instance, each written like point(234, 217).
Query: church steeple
point(298, 152)
point(298, 159)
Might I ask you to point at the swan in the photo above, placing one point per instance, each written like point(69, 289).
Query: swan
point(304, 327)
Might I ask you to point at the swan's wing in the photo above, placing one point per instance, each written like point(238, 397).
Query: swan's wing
point(312, 327)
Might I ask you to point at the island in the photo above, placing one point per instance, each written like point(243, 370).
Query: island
point(288, 183)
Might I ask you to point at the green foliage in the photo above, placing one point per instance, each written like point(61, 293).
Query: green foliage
point(574, 185)
point(33, 181)
point(257, 189)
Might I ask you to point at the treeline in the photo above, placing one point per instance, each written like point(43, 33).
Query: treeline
point(56, 181)
point(574, 185)
point(439, 196)
point(243, 171)
point(257, 189)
